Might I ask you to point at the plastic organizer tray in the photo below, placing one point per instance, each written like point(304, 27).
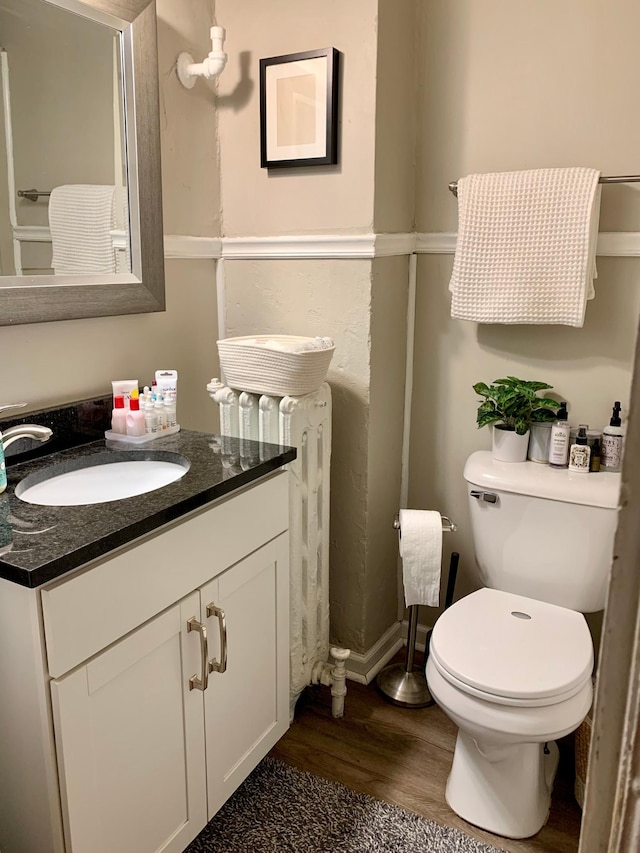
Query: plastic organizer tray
point(140, 439)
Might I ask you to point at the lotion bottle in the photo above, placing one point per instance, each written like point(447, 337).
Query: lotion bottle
point(580, 452)
point(119, 415)
point(135, 418)
point(560, 435)
point(612, 438)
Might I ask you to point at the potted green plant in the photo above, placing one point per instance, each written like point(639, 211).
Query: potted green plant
point(511, 405)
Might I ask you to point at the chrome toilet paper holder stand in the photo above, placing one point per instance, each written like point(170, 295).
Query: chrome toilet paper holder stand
point(403, 683)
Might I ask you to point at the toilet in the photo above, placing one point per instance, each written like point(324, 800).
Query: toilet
point(511, 664)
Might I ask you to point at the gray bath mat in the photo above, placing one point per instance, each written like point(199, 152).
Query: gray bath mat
point(279, 809)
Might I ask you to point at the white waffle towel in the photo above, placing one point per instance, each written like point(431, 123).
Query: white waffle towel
point(81, 218)
point(526, 246)
point(421, 552)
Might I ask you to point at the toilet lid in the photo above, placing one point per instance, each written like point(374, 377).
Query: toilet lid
point(511, 646)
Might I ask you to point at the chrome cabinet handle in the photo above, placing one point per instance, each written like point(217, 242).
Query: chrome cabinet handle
point(489, 497)
point(201, 683)
point(221, 665)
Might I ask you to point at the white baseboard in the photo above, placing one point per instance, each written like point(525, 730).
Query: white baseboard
point(421, 634)
point(363, 668)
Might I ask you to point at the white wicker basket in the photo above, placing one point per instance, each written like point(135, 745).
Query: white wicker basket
point(248, 365)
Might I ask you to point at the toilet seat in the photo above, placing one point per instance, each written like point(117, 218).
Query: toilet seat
point(512, 650)
point(528, 702)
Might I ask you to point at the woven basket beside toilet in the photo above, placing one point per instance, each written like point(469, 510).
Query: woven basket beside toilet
point(269, 364)
point(582, 746)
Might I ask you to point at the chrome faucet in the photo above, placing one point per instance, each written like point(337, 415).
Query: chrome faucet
point(32, 431)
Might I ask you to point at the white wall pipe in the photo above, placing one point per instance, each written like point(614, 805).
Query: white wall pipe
point(408, 397)
point(211, 66)
point(221, 298)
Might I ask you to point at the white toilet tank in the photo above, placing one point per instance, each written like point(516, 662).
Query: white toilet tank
point(543, 532)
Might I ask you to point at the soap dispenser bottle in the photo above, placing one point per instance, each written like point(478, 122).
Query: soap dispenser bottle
point(3, 470)
point(560, 435)
point(612, 438)
point(580, 452)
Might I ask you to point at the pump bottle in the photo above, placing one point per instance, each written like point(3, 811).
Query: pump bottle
point(560, 435)
point(612, 439)
point(580, 452)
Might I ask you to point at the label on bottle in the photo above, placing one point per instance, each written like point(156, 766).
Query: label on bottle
point(559, 445)
point(611, 452)
point(579, 457)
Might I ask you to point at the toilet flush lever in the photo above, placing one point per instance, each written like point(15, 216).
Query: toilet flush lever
point(489, 497)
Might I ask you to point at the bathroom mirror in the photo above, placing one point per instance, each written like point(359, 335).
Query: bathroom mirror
point(80, 183)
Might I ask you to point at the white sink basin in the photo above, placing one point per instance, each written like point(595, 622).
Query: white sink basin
point(101, 478)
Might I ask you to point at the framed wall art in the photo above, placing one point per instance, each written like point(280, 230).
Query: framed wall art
point(299, 109)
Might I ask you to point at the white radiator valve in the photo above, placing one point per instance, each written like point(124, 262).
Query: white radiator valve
point(189, 71)
point(333, 675)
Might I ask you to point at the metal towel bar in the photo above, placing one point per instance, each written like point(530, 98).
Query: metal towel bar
point(604, 179)
point(33, 195)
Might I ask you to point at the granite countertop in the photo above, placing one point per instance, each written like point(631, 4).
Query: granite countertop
point(41, 543)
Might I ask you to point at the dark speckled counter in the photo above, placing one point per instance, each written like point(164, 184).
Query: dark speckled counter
point(41, 543)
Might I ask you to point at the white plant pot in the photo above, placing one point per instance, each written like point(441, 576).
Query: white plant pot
point(508, 446)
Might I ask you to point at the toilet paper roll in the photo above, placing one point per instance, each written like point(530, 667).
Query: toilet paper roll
point(421, 552)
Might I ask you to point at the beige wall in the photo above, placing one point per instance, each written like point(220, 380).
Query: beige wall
point(509, 84)
point(395, 129)
point(324, 298)
point(516, 85)
point(191, 182)
point(386, 405)
point(364, 310)
point(50, 363)
point(360, 303)
point(330, 199)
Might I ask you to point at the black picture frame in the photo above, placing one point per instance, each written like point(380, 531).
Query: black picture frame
point(299, 109)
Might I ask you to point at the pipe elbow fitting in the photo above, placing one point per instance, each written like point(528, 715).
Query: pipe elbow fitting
point(214, 65)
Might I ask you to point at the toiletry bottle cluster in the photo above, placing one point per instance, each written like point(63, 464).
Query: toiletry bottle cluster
point(148, 413)
point(586, 450)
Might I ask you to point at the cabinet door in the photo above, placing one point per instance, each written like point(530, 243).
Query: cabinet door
point(247, 705)
point(130, 742)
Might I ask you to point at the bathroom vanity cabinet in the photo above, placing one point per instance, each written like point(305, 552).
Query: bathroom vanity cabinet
point(114, 734)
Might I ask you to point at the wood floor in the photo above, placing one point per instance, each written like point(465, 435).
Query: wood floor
point(403, 756)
